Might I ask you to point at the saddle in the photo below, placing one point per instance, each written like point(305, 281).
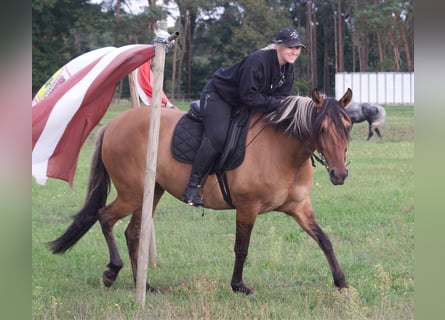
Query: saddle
point(187, 138)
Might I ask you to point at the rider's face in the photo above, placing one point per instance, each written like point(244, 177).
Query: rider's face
point(287, 55)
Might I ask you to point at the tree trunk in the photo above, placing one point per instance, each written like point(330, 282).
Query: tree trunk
point(354, 44)
point(152, 4)
point(326, 60)
point(409, 62)
point(185, 24)
point(189, 60)
point(395, 49)
point(379, 46)
point(309, 37)
point(341, 61)
point(175, 52)
point(311, 30)
point(363, 52)
point(335, 40)
point(314, 50)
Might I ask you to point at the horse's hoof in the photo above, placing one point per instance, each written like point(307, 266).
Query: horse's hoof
point(108, 277)
point(340, 284)
point(344, 286)
point(149, 288)
point(241, 288)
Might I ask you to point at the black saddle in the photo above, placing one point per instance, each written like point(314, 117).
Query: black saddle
point(187, 138)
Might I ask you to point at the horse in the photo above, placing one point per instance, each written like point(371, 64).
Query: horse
point(275, 175)
point(373, 113)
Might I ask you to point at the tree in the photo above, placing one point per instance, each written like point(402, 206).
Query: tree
point(188, 12)
point(62, 30)
point(340, 31)
point(341, 35)
point(311, 35)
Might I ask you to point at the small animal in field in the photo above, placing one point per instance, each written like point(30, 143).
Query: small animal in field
point(373, 113)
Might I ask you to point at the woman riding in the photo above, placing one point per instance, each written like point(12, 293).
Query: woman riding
point(259, 81)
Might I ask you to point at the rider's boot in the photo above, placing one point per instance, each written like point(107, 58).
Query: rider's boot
point(201, 166)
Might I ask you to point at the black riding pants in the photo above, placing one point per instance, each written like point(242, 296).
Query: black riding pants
point(216, 116)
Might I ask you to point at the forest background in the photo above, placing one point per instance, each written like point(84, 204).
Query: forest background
point(341, 36)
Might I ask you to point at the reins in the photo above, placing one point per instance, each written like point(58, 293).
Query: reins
point(320, 158)
point(258, 133)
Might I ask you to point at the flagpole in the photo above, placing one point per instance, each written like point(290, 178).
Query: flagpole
point(151, 161)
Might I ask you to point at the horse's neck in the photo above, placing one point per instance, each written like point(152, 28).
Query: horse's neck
point(278, 145)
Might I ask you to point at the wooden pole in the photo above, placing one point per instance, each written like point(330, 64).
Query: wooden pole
point(150, 172)
point(152, 251)
point(133, 94)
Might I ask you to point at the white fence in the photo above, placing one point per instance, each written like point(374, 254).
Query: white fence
point(377, 87)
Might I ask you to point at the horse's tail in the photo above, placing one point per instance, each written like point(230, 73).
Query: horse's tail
point(98, 189)
point(380, 118)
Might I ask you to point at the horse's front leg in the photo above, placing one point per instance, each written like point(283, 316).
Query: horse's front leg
point(307, 221)
point(370, 133)
point(244, 226)
point(132, 235)
point(133, 232)
point(326, 245)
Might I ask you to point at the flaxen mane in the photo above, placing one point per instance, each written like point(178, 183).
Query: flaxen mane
point(295, 116)
point(298, 117)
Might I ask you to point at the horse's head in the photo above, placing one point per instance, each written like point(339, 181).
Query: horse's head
point(331, 133)
point(320, 123)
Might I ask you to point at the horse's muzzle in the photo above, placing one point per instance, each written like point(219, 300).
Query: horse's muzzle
point(338, 177)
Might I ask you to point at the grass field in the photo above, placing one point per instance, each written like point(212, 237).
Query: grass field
point(370, 221)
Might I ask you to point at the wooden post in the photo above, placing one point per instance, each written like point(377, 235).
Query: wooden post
point(150, 172)
point(133, 94)
point(152, 251)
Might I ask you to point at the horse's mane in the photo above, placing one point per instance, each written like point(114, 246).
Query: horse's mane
point(295, 116)
point(298, 117)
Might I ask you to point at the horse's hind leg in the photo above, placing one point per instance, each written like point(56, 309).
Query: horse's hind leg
point(307, 221)
point(377, 131)
point(132, 235)
point(107, 219)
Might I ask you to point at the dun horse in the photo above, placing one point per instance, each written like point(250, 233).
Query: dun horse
point(374, 114)
point(275, 175)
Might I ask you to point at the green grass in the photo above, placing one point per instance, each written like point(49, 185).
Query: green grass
point(370, 221)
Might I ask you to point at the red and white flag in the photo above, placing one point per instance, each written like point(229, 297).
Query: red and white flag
point(72, 103)
point(143, 83)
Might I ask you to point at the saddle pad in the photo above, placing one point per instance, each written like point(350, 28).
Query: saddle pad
point(187, 138)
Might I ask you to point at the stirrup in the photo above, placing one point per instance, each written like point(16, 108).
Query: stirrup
point(192, 199)
point(196, 202)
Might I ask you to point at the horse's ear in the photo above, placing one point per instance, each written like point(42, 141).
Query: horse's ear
point(346, 99)
point(317, 98)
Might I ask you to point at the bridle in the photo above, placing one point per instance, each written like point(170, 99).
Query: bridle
point(316, 155)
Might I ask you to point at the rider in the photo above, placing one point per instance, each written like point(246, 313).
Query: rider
point(259, 81)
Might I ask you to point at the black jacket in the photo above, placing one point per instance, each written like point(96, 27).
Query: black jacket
point(256, 81)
